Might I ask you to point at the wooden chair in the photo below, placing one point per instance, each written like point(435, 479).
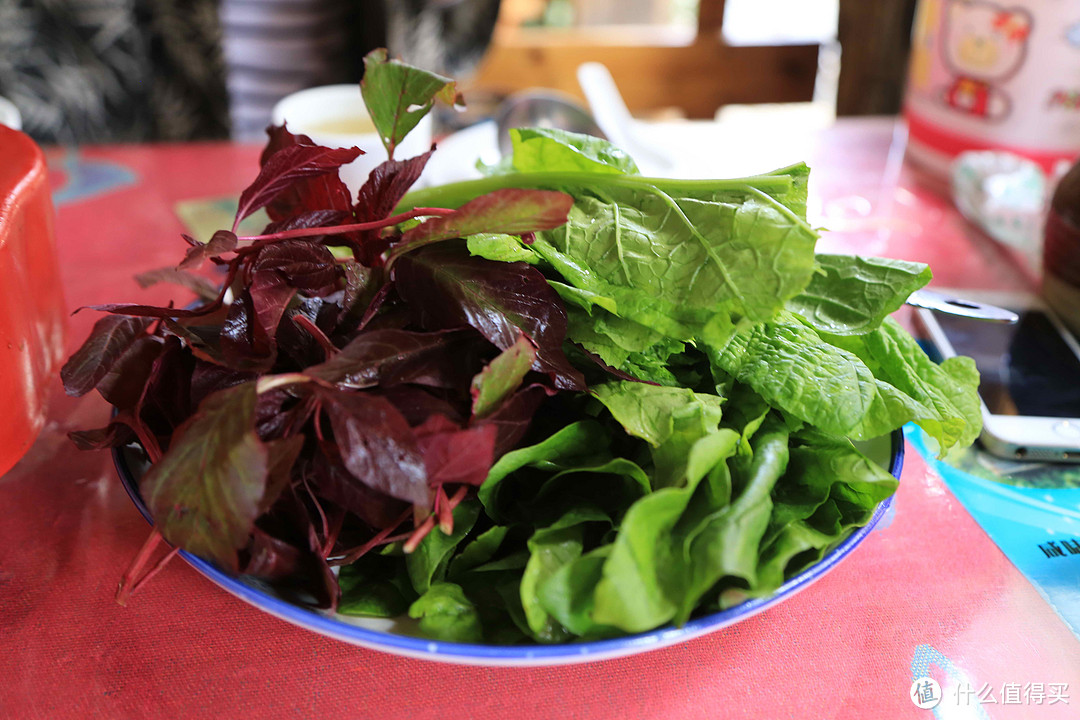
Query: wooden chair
point(654, 66)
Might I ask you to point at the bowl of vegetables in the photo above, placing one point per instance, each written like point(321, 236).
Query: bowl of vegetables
point(560, 413)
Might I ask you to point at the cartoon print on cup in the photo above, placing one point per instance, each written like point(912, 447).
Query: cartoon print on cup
point(984, 45)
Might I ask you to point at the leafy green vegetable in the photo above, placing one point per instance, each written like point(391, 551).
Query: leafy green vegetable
point(455, 415)
point(942, 399)
point(830, 488)
point(502, 376)
point(575, 441)
point(550, 549)
point(445, 613)
point(558, 150)
point(851, 295)
point(372, 587)
point(430, 558)
point(398, 95)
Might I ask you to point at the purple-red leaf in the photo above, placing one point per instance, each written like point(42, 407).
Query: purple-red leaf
point(301, 264)
point(389, 357)
point(221, 242)
point(361, 285)
point(310, 219)
point(166, 399)
point(331, 481)
point(113, 435)
point(207, 378)
point(271, 294)
point(377, 445)
point(501, 377)
point(456, 455)
point(245, 343)
point(204, 288)
point(285, 168)
point(325, 192)
point(448, 288)
point(512, 211)
point(108, 341)
point(418, 404)
point(281, 456)
point(378, 197)
point(123, 385)
point(205, 492)
point(511, 419)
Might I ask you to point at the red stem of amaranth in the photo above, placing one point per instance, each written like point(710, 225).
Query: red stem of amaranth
point(134, 578)
point(343, 229)
point(412, 539)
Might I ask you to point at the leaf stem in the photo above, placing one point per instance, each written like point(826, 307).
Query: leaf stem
point(343, 229)
point(354, 555)
point(419, 534)
point(269, 382)
point(133, 577)
point(456, 194)
point(316, 332)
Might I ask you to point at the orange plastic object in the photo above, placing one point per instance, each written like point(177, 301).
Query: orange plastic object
point(32, 314)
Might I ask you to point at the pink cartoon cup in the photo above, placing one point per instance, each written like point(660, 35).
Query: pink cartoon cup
point(994, 75)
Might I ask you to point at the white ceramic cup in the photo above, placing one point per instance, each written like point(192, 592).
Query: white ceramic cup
point(335, 116)
point(9, 114)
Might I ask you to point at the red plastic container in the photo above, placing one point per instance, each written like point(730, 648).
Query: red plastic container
point(32, 310)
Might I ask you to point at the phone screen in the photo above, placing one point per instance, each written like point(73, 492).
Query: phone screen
point(1026, 368)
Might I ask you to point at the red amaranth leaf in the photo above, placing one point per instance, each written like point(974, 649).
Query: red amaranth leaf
point(306, 197)
point(165, 403)
point(123, 385)
point(448, 288)
point(310, 219)
point(390, 356)
point(418, 404)
point(453, 454)
point(512, 211)
point(108, 341)
point(245, 343)
point(512, 417)
point(205, 492)
point(377, 445)
point(204, 288)
point(332, 481)
point(283, 169)
point(378, 197)
point(301, 264)
point(281, 456)
point(223, 241)
point(110, 436)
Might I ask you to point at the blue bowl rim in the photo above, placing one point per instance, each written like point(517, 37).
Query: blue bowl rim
point(472, 653)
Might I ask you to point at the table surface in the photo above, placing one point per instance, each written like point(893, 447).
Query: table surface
point(929, 589)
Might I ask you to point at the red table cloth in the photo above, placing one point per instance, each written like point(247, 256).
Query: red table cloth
point(929, 590)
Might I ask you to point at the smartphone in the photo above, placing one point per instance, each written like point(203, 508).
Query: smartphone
point(1030, 376)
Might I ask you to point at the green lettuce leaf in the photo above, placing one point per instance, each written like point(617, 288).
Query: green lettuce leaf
point(551, 548)
point(445, 613)
point(429, 561)
point(550, 150)
point(850, 295)
point(944, 398)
